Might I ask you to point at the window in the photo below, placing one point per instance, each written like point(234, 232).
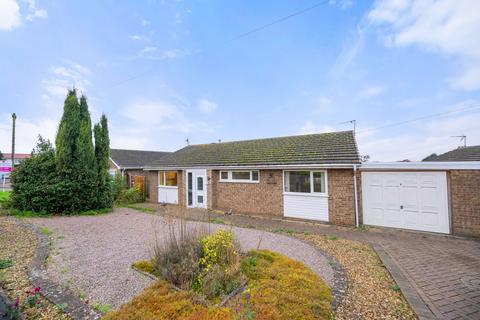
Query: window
point(167, 178)
point(200, 183)
point(319, 182)
point(240, 176)
point(301, 182)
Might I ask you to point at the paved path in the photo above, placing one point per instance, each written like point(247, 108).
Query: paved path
point(92, 255)
point(445, 271)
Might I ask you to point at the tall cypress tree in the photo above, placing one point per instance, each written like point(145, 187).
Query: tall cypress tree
point(66, 153)
point(102, 155)
point(86, 172)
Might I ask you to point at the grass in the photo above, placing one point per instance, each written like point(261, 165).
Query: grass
point(102, 308)
point(5, 263)
point(43, 214)
point(138, 208)
point(4, 196)
point(216, 220)
point(278, 288)
point(284, 230)
point(45, 231)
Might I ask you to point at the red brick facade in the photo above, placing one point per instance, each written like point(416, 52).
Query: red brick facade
point(262, 198)
point(465, 202)
point(341, 201)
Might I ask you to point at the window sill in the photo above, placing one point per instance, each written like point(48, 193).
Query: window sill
point(168, 187)
point(306, 194)
point(238, 181)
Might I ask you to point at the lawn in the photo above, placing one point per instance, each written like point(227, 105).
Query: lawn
point(4, 196)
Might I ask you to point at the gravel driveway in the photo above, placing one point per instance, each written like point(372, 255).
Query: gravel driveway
point(92, 255)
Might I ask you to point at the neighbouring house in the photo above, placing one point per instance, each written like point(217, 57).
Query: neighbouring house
point(6, 163)
point(130, 163)
point(471, 153)
point(303, 177)
point(319, 177)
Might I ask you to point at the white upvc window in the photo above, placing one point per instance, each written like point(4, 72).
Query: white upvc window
point(247, 176)
point(305, 182)
point(167, 178)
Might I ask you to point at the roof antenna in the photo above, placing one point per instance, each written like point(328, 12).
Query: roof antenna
point(187, 141)
point(463, 138)
point(354, 122)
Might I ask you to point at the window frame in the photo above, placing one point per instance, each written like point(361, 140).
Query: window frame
point(231, 180)
point(311, 193)
point(164, 172)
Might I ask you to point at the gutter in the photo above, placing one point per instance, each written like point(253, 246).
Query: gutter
point(275, 166)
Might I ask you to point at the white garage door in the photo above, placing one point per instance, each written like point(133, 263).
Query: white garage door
point(407, 200)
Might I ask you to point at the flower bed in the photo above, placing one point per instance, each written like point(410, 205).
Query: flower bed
point(208, 278)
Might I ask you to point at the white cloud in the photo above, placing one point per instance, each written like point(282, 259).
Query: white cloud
point(34, 12)
point(343, 4)
point(137, 37)
point(26, 133)
point(10, 17)
point(444, 26)
point(152, 53)
point(206, 106)
point(309, 127)
point(417, 140)
point(178, 18)
point(145, 23)
point(351, 47)
point(371, 91)
point(160, 115)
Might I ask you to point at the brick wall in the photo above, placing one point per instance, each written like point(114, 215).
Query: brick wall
point(465, 202)
point(263, 198)
point(341, 202)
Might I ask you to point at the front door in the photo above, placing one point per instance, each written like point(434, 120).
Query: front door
point(196, 188)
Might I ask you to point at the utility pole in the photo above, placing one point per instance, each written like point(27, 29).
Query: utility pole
point(462, 138)
point(14, 118)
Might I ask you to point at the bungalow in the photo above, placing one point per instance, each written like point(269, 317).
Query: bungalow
point(304, 177)
point(319, 177)
point(130, 163)
point(470, 153)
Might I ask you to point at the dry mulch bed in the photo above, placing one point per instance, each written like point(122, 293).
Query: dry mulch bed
point(372, 293)
point(18, 244)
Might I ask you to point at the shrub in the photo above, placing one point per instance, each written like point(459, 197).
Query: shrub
point(220, 249)
point(177, 258)
point(119, 185)
point(129, 196)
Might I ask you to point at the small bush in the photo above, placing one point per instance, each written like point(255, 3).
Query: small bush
point(147, 266)
point(177, 258)
point(129, 196)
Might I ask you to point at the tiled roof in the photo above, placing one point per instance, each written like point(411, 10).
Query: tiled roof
point(324, 148)
point(135, 158)
point(460, 154)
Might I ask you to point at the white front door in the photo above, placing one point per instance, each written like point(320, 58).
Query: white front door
point(196, 188)
point(407, 200)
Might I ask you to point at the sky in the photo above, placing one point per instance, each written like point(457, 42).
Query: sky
point(165, 71)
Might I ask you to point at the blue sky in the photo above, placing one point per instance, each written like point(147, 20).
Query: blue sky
point(164, 71)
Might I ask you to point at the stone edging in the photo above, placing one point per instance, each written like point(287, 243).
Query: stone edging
point(340, 279)
point(52, 291)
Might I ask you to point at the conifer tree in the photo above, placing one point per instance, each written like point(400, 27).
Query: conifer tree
point(102, 155)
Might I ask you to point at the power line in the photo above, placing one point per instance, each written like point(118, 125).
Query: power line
point(237, 37)
point(419, 119)
point(279, 20)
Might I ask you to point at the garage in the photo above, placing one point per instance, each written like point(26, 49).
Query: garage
point(415, 200)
